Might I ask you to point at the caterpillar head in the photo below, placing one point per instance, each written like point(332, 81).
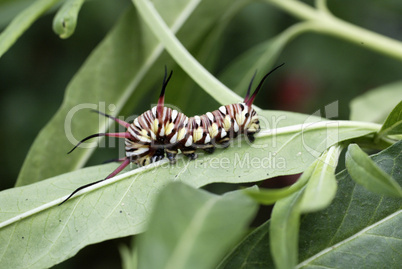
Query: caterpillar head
point(254, 124)
point(251, 121)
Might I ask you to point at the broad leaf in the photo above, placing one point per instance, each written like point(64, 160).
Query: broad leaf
point(321, 187)
point(198, 232)
point(10, 9)
point(359, 229)
point(375, 105)
point(252, 253)
point(120, 206)
point(365, 172)
point(284, 230)
point(393, 123)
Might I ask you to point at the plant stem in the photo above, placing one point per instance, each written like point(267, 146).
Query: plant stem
point(328, 24)
point(321, 5)
point(193, 68)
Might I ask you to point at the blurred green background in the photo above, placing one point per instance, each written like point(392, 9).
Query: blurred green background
point(319, 70)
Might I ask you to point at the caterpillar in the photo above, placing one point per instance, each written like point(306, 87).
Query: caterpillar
point(162, 130)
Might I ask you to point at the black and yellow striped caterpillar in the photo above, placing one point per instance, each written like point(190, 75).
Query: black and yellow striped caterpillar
point(164, 130)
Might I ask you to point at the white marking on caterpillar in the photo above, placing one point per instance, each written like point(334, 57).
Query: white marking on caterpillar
point(173, 140)
point(137, 152)
point(162, 131)
point(235, 126)
point(136, 123)
point(210, 116)
point(197, 120)
point(174, 115)
point(207, 139)
point(189, 141)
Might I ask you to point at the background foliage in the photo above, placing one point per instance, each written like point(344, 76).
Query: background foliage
point(319, 69)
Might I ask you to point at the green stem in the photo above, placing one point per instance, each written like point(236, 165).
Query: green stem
point(193, 68)
point(328, 24)
point(321, 5)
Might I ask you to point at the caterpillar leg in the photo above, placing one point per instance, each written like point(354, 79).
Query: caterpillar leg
point(209, 149)
point(190, 154)
point(224, 143)
point(158, 155)
point(250, 137)
point(144, 161)
point(171, 155)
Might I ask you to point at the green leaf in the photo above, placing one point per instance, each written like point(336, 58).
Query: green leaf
point(10, 9)
point(120, 206)
point(375, 105)
point(129, 256)
point(359, 229)
point(21, 22)
point(365, 172)
point(284, 230)
point(393, 123)
point(252, 252)
point(32, 223)
point(65, 21)
point(198, 232)
point(321, 187)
